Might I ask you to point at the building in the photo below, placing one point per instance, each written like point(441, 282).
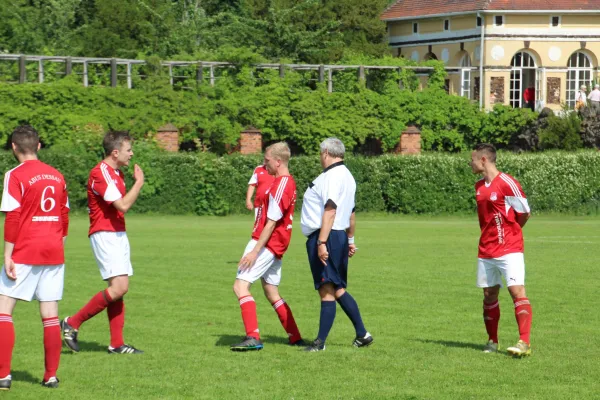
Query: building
point(539, 49)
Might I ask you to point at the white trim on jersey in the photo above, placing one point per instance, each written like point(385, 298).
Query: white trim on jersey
point(274, 212)
point(281, 189)
point(518, 201)
point(9, 203)
point(254, 178)
point(112, 192)
point(512, 185)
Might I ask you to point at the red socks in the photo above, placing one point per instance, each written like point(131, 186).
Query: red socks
point(98, 303)
point(491, 317)
point(52, 346)
point(249, 317)
point(7, 343)
point(287, 320)
point(523, 314)
point(116, 321)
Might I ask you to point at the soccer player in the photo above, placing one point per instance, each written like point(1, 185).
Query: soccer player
point(328, 221)
point(108, 202)
point(35, 201)
point(503, 211)
point(262, 257)
point(260, 180)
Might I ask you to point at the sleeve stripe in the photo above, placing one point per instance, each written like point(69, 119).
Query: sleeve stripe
point(512, 185)
point(106, 174)
point(281, 189)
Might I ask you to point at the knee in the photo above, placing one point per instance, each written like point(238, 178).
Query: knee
point(490, 295)
point(517, 292)
point(339, 293)
point(121, 290)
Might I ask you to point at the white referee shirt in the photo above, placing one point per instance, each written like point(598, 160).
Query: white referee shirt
point(595, 95)
point(337, 184)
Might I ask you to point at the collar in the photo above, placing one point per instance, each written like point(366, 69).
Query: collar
point(337, 164)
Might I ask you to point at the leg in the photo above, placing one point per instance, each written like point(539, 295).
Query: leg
point(350, 307)
point(328, 310)
point(523, 312)
point(7, 338)
point(241, 289)
point(283, 310)
point(118, 286)
point(491, 315)
point(52, 338)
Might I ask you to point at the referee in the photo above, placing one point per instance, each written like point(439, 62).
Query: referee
point(328, 222)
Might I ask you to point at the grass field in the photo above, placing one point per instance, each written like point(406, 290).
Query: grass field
point(414, 279)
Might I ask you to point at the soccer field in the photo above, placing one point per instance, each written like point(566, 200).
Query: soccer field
point(413, 278)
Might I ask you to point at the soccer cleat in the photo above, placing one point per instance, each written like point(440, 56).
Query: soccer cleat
point(51, 383)
point(248, 344)
point(317, 345)
point(69, 335)
point(520, 349)
point(299, 343)
point(490, 347)
point(365, 341)
point(124, 349)
point(5, 382)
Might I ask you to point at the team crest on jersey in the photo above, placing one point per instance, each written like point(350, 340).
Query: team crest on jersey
point(478, 193)
point(493, 196)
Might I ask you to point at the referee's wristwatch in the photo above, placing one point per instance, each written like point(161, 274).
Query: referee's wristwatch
point(319, 242)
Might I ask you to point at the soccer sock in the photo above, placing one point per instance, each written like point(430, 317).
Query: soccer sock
point(249, 317)
point(350, 307)
point(284, 312)
point(327, 318)
point(523, 314)
point(7, 343)
point(98, 303)
point(52, 346)
point(491, 317)
point(116, 321)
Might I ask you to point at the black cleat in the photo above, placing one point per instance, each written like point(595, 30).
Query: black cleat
point(299, 343)
point(365, 341)
point(5, 382)
point(316, 345)
point(51, 383)
point(125, 349)
point(248, 344)
point(69, 335)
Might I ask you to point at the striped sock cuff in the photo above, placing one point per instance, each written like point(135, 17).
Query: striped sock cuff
point(246, 299)
point(278, 304)
point(490, 306)
point(522, 302)
point(6, 318)
point(52, 321)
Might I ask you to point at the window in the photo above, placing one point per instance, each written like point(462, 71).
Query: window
point(555, 21)
point(499, 20)
point(523, 75)
point(446, 24)
point(479, 21)
point(465, 77)
point(579, 73)
point(415, 27)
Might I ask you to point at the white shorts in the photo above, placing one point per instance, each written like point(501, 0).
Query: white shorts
point(267, 267)
point(510, 266)
point(111, 250)
point(43, 283)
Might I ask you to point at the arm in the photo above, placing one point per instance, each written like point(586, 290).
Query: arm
point(522, 218)
point(326, 225)
point(350, 233)
point(249, 259)
point(249, 194)
point(125, 203)
point(9, 264)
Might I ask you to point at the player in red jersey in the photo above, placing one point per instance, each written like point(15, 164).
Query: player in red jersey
point(503, 211)
point(262, 257)
point(35, 201)
point(108, 201)
point(261, 180)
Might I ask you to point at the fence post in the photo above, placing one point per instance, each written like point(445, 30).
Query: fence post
point(68, 66)
point(400, 84)
point(171, 74)
point(129, 80)
point(22, 70)
point(113, 72)
point(361, 73)
point(199, 73)
point(85, 74)
point(281, 71)
point(330, 81)
point(41, 71)
point(212, 75)
point(321, 73)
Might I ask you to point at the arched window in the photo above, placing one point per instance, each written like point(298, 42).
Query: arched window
point(523, 75)
point(579, 73)
point(430, 56)
point(465, 77)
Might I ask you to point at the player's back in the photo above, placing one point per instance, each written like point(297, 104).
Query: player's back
point(39, 192)
point(105, 185)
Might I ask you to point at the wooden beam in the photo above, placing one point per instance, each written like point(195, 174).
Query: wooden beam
point(113, 72)
point(22, 70)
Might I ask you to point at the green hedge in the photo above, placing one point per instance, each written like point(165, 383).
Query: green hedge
point(204, 184)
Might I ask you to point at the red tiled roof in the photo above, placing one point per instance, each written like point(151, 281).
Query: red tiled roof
point(417, 8)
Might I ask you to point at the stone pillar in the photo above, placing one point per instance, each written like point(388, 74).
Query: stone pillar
point(167, 137)
point(410, 141)
point(251, 141)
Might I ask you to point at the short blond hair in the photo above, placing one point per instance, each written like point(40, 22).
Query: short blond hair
point(280, 151)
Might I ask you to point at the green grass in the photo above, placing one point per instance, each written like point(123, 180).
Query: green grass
point(414, 279)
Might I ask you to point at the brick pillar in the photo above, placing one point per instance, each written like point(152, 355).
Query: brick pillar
point(410, 141)
point(167, 137)
point(250, 141)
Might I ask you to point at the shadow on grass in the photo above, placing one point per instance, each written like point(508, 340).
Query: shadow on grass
point(451, 343)
point(24, 376)
point(228, 340)
point(87, 346)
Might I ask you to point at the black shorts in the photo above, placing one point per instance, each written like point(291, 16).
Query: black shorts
point(336, 270)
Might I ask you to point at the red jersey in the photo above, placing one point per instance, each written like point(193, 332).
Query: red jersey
point(37, 206)
point(497, 205)
point(278, 205)
point(105, 186)
point(262, 181)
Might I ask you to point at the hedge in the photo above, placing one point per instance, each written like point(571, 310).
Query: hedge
point(204, 184)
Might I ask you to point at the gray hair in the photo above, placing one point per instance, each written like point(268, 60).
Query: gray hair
point(334, 146)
